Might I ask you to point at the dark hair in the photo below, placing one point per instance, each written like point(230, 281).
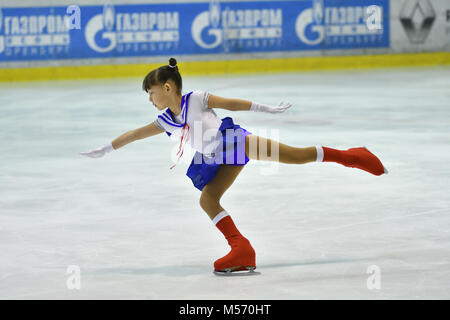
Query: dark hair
point(162, 74)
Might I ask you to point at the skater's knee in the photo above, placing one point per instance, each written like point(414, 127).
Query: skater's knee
point(208, 200)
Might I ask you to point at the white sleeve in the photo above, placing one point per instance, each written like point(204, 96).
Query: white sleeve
point(158, 124)
point(205, 99)
point(202, 97)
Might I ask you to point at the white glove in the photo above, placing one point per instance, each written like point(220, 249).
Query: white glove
point(99, 152)
point(281, 107)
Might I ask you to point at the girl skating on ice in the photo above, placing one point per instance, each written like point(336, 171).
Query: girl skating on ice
point(222, 150)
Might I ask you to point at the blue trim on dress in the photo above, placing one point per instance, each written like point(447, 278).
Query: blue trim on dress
point(170, 120)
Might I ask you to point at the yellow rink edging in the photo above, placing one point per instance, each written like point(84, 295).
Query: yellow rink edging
point(296, 64)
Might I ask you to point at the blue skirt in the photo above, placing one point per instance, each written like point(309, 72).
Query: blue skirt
point(201, 172)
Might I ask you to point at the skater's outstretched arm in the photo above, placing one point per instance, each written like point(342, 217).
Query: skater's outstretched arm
point(125, 138)
point(244, 105)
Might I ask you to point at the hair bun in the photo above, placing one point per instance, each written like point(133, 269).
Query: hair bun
point(172, 62)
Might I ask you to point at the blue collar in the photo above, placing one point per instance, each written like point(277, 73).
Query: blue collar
point(169, 118)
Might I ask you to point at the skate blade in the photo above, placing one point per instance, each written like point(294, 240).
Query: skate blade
point(229, 273)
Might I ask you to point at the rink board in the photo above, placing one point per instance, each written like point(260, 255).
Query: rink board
point(230, 67)
point(43, 41)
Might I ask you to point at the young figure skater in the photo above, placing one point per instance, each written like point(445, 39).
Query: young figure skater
point(220, 156)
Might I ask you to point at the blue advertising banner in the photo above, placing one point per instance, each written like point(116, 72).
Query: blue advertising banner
point(52, 33)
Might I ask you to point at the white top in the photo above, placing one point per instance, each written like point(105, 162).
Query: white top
point(200, 123)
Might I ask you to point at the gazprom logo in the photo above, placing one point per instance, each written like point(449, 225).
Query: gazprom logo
point(311, 18)
point(349, 24)
point(101, 23)
point(31, 34)
point(138, 31)
point(204, 20)
point(240, 28)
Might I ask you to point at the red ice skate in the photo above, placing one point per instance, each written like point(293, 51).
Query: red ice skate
point(360, 158)
point(240, 258)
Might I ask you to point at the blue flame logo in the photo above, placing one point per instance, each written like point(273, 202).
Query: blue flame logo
point(214, 13)
point(108, 17)
point(318, 11)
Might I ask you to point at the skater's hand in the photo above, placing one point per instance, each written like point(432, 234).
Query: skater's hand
point(99, 152)
point(281, 107)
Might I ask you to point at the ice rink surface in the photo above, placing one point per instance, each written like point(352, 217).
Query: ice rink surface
point(135, 229)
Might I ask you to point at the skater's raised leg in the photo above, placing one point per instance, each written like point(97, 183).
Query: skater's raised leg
point(242, 254)
point(260, 148)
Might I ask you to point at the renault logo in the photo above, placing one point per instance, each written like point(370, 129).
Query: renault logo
point(417, 18)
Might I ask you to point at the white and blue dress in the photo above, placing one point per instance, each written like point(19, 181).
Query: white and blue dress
point(216, 141)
